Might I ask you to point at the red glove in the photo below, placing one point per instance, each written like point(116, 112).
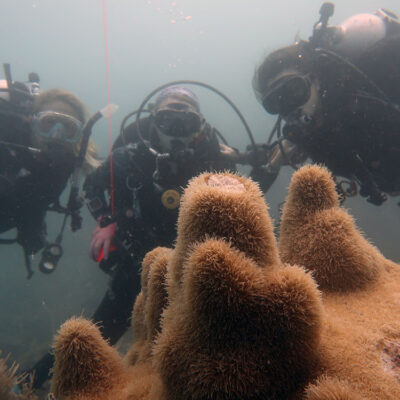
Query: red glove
point(101, 242)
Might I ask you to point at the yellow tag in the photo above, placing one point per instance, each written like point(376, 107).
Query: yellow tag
point(170, 199)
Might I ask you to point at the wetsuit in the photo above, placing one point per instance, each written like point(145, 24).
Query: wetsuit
point(145, 217)
point(30, 181)
point(355, 130)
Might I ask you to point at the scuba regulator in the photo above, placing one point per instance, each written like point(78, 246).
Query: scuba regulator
point(322, 34)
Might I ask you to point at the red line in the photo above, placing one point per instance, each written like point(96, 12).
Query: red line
point(109, 111)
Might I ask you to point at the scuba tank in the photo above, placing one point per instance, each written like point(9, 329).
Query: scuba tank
point(354, 35)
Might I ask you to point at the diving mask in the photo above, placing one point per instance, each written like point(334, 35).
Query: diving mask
point(178, 124)
point(286, 94)
point(57, 126)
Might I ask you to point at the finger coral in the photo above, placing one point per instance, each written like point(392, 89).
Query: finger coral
point(360, 342)
point(230, 313)
point(239, 324)
point(14, 386)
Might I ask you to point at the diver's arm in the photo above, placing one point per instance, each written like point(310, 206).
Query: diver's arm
point(256, 155)
point(94, 187)
point(266, 160)
point(232, 155)
point(96, 183)
point(280, 155)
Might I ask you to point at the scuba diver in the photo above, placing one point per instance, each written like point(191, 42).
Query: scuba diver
point(152, 161)
point(42, 141)
point(162, 153)
point(338, 95)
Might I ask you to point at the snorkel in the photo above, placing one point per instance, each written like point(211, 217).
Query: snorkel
point(53, 251)
point(74, 201)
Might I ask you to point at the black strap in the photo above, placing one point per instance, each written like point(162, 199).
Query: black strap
point(8, 241)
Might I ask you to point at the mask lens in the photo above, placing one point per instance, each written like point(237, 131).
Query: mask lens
point(58, 126)
point(178, 123)
point(46, 123)
point(287, 94)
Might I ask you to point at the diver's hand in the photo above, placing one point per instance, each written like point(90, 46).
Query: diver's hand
point(226, 150)
point(258, 154)
point(101, 239)
point(232, 155)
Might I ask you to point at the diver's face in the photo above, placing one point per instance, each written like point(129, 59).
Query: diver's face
point(291, 91)
point(176, 124)
point(56, 124)
point(172, 144)
point(309, 109)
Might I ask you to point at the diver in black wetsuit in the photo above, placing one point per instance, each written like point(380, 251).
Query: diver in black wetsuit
point(338, 95)
point(40, 135)
point(146, 195)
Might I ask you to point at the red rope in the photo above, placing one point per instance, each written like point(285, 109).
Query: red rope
point(109, 111)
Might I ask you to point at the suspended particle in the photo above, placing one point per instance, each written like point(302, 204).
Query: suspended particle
point(173, 21)
point(188, 18)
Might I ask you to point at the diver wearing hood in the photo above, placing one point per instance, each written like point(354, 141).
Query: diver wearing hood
point(338, 96)
point(175, 125)
point(147, 190)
